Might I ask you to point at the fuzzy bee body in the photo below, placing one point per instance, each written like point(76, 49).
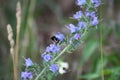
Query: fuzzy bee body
point(55, 39)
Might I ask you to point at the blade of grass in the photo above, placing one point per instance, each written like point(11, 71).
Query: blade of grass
point(101, 48)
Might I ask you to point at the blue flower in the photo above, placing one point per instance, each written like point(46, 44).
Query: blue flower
point(77, 36)
point(96, 2)
point(53, 48)
point(28, 62)
point(78, 15)
point(80, 2)
point(73, 28)
point(54, 68)
point(94, 21)
point(60, 36)
point(82, 25)
point(26, 75)
point(90, 14)
point(47, 57)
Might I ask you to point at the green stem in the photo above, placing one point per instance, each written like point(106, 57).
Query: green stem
point(102, 56)
point(101, 48)
point(63, 51)
point(40, 74)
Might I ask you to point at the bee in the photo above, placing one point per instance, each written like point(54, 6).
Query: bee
point(55, 39)
point(66, 70)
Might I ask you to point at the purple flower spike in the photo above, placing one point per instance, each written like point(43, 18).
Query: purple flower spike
point(94, 21)
point(54, 68)
point(82, 25)
point(60, 36)
point(96, 2)
point(77, 36)
point(26, 75)
point(73, 28)
point(28, 62)
point(53, 48)
point(78, 15)
point(47, 57)
point(80, 2)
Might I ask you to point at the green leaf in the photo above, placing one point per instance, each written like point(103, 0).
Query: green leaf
point(90, 76)
point(88, 51)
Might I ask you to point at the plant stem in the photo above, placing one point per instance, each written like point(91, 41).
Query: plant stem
point(40, 74)
point(102, 56)
point(16, 58)
point(101, 48)
point(18, 16)
point(63, 51)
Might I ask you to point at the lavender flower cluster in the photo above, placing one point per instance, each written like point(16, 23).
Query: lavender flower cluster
point(85, 19)
point(51, 52)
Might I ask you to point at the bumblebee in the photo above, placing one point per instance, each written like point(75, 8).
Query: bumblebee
point(55, 39)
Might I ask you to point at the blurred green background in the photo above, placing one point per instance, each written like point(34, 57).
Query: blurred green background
point(43, 18)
